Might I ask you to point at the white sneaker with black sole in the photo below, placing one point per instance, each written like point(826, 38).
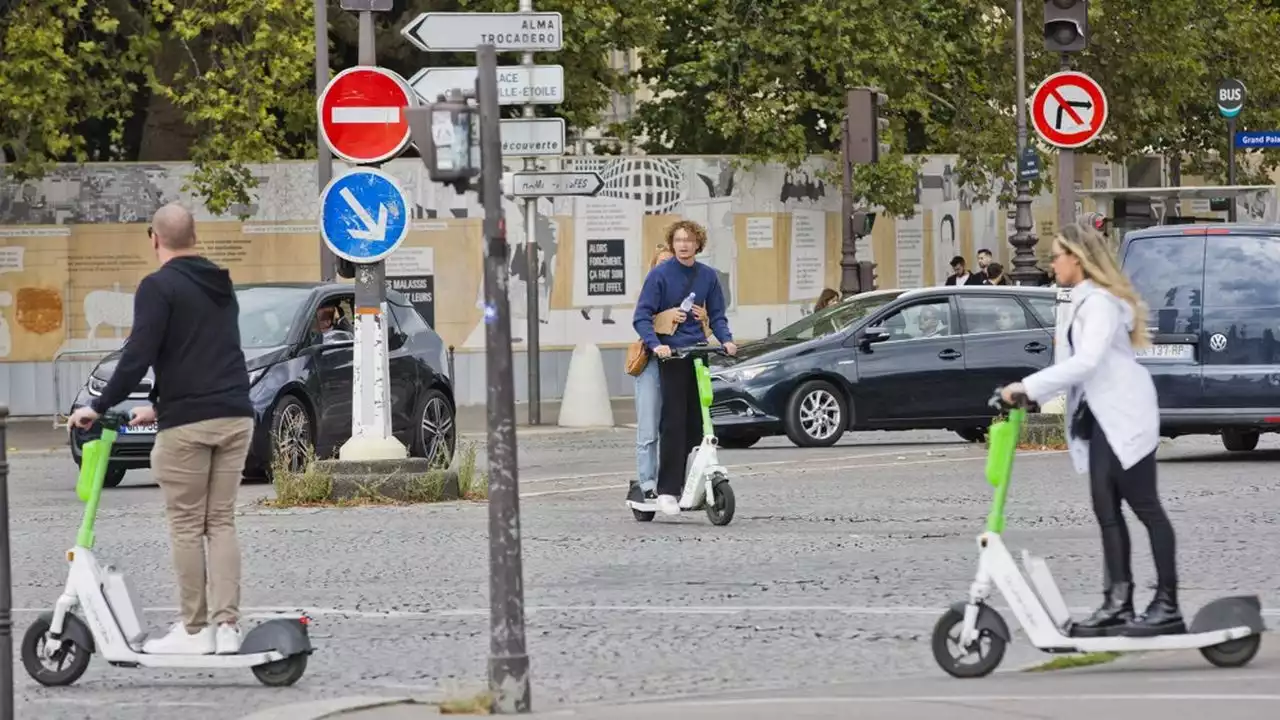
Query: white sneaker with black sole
point(669, 504)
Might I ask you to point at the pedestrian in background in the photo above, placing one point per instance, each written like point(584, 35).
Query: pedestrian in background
point(995, 274)
point(1114, 426)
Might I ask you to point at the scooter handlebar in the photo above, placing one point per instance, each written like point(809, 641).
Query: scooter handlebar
point(696, 351)
point(1020, 400)
point(112, 420)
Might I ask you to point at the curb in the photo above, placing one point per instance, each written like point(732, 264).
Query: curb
point(320, 709)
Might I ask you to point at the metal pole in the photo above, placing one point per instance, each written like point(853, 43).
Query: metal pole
point(324, 158)
point(1024, 239)
point(533, 339)
point(848, 243)
point(370, 416)
point(1231, 166)
point(508, 659)
point(6, 578)
point(1066, 175)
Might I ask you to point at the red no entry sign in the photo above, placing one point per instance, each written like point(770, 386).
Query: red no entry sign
point(362, 114)
point(1068, 109)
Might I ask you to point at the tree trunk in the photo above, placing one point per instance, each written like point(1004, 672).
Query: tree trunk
point(166, 136)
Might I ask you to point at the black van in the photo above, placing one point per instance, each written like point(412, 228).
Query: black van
point(1214, 296)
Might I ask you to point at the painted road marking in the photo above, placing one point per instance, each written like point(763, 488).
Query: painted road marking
point(858, 466)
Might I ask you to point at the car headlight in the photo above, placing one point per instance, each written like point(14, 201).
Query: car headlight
point(95, 385)
point(744, 373)
point(256, 375)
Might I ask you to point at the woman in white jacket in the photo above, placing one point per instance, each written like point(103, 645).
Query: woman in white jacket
point(1114, 426)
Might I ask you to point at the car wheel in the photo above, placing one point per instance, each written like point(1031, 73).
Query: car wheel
point(972, 434)
point(114, 477)
point(292, 440)
point(435, 433)
point(1240, 440)
point(816, 415)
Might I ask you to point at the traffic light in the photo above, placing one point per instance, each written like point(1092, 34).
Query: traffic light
point(863, 221)
point(447, 135)
point(1095, 220)
point(346, 268)
point(868, 128)
point(1066, 25)
point(868, 279)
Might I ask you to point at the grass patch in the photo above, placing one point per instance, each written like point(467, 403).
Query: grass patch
point(309, 486)
point(472, 484)
point(1042, 446)
point(478, 704)
point(1066, 662)
point(313, 487)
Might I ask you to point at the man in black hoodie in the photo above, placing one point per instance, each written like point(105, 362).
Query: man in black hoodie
point(186, 327)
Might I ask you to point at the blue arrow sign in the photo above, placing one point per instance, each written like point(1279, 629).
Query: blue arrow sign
point(364, 215)
point(1258, 139)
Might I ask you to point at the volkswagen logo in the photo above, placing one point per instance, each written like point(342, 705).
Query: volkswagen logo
point(1218, 342)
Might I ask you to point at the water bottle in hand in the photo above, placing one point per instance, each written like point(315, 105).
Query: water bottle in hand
point(687, 305)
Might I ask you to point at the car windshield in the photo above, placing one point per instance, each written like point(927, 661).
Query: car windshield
point(266, 314)
point(835, 318)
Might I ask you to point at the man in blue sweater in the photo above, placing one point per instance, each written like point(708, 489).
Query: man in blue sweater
point(666, 287)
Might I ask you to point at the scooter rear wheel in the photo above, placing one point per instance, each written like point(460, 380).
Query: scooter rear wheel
point(58, 668)
point(1232, 653)
point(281, 673)
point(952, 658)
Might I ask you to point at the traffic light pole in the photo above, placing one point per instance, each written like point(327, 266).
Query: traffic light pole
point(533, 340)
point(1024, 239)
point(1066, 175)
point(1231, 166)
point(849, 281)
point(508, 657)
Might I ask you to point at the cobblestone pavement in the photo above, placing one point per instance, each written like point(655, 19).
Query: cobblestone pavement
point(834, 570)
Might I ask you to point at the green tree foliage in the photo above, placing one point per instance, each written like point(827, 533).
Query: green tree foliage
point(767, 80)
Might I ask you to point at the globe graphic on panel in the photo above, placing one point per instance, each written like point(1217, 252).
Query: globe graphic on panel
point(659, 184)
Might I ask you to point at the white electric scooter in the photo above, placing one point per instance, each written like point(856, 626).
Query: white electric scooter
point(970, 638)
point(706, 486)
point(57, 646)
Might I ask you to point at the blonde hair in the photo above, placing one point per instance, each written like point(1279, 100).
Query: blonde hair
point(658, 250)
point(1099, 264)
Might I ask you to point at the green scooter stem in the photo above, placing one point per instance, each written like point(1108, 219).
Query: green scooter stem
point(705, 396)
point(1002, 444)
point(94, 457)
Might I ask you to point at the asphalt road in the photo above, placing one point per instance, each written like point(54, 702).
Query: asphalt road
point(835, 570)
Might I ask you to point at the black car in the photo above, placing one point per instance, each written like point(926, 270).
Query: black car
point(1214, 304)
point(885, 360)
point(301, 381)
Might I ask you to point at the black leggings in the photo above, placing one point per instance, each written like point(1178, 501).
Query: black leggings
point(1110, 483)
point(680, 424)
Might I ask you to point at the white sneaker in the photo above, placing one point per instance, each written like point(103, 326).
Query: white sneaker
point(228, 639)
point(668, 504)
point(180, 642)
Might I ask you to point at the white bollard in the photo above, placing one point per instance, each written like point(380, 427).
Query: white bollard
point(586, 390)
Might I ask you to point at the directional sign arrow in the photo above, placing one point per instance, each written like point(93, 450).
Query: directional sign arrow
point(507, 32)
point(374, 231)
point(364, 215)
point(546, 184)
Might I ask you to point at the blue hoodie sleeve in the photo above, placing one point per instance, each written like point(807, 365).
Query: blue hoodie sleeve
point(646, 307)
point(715, 311)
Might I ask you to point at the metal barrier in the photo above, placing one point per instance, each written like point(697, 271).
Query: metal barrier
point(452, 377)
point(6, 578)
point(61, 359)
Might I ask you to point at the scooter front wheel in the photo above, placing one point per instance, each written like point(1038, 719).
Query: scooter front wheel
point(977, 660)
point(56, 666)
point(721, 511)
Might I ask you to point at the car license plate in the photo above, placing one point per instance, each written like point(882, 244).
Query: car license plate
point(1168, 352)
point(139, 429)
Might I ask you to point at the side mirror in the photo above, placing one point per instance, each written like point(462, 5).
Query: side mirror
point(395, 339)
point(875, 334)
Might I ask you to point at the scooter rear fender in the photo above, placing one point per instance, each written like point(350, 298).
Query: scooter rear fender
point(287, 636)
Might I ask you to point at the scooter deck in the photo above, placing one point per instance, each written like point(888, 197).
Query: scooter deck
point(653, 507)
point(1121, 643)
point(205, 661)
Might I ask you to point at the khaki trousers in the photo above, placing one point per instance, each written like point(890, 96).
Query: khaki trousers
point(198, 466)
